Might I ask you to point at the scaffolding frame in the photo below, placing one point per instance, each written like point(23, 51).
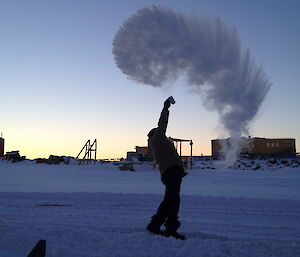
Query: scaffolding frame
point(90, 152)
point(180, 141)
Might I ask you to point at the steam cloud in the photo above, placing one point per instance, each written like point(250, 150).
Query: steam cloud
point(156, 45)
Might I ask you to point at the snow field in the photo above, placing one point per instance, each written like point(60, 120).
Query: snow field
point(107, 224)
point(99, 211)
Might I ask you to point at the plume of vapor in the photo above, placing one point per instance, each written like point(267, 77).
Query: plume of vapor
point(156, 45)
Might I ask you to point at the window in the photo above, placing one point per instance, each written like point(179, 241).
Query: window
point(273, 144)
point(268, 144)
point(277, 144)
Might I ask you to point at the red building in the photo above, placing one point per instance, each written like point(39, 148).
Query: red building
point(144, 150)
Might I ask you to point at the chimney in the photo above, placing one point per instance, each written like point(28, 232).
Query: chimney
point(1, 146)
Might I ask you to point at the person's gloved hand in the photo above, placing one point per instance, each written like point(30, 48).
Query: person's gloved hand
point(167, 104)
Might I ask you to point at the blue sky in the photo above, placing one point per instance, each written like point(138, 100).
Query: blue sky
point(60, 86)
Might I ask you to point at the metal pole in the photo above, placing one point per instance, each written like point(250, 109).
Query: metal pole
point(180, 147)
point(95, 150)
point(191, 143)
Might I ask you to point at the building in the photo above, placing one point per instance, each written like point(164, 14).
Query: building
point(144, 150)
point(1, 146)
point(257, 147)
point(142, 153)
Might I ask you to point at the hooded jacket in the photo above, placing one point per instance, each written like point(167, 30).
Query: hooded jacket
point(162, 148)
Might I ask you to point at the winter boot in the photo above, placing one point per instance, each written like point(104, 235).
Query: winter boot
point(171, 229)
point(154, 225)
point(173, 234)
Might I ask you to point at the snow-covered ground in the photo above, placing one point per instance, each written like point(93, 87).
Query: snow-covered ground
point(99, 210)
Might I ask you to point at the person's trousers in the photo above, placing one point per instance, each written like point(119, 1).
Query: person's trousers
point(168, 209)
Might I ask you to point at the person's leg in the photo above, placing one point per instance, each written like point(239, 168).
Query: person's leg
point(163, 208)
point(168, 209)
point(173, 184)
point(173, 201)
point(160, 217)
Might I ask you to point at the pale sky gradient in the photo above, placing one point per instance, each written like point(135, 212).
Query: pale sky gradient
point(59, 84)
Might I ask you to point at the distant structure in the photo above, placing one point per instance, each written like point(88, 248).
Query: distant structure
point(13, 156)
point(258, 147)
point(187, 160)
point(90, 152)
point(143, 150)
point(142, 153)
point(1, 146)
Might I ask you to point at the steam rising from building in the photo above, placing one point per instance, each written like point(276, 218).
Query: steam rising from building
point(156, 45)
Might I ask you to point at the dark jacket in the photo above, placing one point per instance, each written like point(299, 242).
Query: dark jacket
point(162, 148)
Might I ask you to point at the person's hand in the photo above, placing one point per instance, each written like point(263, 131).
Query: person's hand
point(167, 104)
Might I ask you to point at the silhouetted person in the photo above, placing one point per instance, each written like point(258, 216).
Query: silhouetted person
point(171, 170)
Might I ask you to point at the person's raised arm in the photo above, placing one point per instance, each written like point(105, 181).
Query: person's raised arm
point(164, 117)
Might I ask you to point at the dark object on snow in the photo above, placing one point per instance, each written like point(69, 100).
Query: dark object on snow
point(127, 166)
point(295, 163)
point(13, 156)
point(54, 159)
point(39, 250)
point(41, 160)
point(272, 161)
point(257, 167)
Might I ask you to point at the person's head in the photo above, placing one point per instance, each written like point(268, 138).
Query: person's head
point(151, 132)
